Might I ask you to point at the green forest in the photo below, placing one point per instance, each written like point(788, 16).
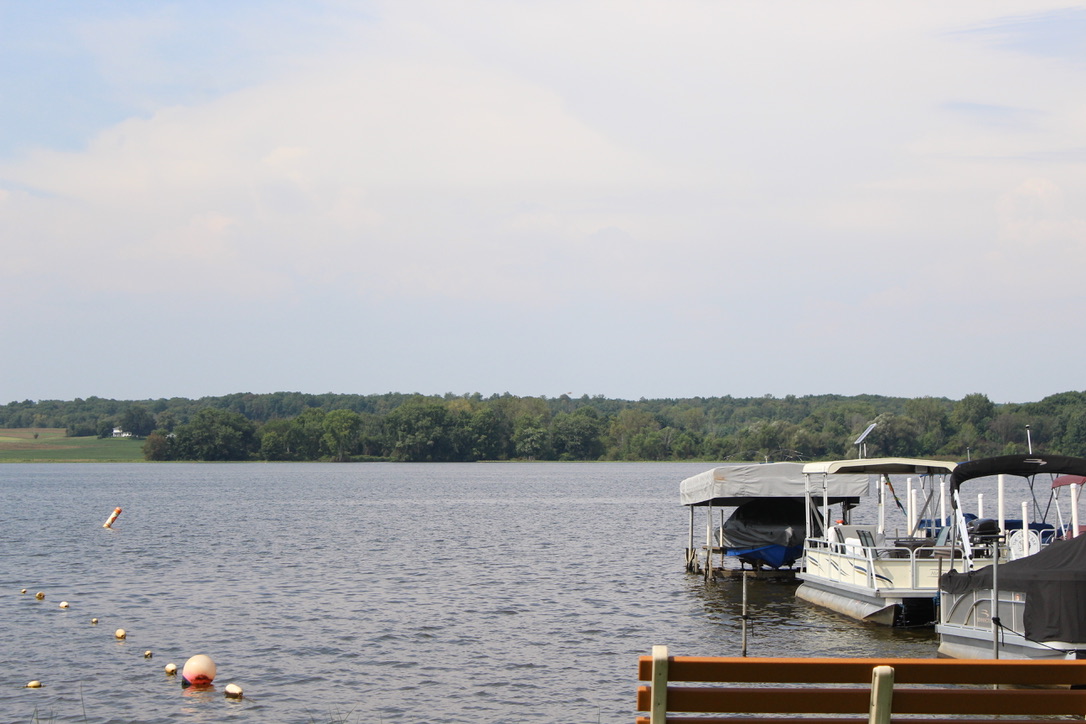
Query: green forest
point(470, 427)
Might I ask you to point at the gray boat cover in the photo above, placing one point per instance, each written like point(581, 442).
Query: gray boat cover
point(768, 521)
point(733, 485)
point(1054, 581)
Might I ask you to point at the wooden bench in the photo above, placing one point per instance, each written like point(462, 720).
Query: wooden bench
point(740, 690)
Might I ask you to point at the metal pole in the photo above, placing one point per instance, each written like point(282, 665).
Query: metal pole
point(709, 541)
point(882, 503)
point(942, 504)
point(995, 598)
point(744, 613)
point(1025, 528)
point(1000, 484)
point(690, 544)
point(1029, 440)
point(910, 506)
point(1075, 491)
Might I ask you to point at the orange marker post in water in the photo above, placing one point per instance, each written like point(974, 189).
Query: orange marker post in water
point(112, 517)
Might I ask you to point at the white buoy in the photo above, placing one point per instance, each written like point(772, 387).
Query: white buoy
point(34, 684)
point(94, 622)
point(64, 604)
point(40, 595)
point(199, 670)
point(120, 634)
point(23, 591)
point(148, 654)
point(234, 691)
point(170, 669)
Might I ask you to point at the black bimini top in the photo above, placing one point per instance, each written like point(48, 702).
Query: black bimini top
point(1023, 465)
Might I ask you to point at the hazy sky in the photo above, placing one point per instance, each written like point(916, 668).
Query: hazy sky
point(624, 198)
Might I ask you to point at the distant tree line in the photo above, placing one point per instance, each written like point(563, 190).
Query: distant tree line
point(453, 428)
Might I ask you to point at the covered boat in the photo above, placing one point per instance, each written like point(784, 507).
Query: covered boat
point(1048, 587)
point(768, 524)
point(1029, 607)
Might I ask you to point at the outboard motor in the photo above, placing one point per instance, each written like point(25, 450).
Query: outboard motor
point(983, 528)
point(982, 532)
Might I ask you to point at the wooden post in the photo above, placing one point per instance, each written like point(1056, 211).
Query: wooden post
point(882, 694)
point(658, 710)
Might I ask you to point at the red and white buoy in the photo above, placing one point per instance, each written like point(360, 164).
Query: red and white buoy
point(199, 671)
point(112, 517)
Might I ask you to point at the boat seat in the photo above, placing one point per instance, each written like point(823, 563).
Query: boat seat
point(857, 539)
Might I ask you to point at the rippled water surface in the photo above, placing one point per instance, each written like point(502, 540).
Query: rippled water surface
point(368, 593)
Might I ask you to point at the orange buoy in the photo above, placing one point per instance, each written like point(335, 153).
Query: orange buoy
point(112, 517)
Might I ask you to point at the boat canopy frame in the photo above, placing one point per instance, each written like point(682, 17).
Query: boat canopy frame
point(883, 467)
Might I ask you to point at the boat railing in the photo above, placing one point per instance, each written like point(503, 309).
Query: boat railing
point(882, 565)
point(973, 609)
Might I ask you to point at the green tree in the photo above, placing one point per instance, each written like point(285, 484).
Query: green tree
point(305, 439)
point(274, 436)
point(214, 434)
point(418, 431)
point(487, 436)
point(649, 445)
point(157, 446)
point(530, 438)
point(626, 427)
point(341, 430)
point(975, 409)
point(895, 435)
point(138, 421)
point(576, 436)
point(1073, 440)
point(933, 422)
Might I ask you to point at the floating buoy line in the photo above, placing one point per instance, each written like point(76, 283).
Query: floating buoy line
point(199, 670)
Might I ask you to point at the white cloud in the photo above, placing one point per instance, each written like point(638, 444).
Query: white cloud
point(721, 164)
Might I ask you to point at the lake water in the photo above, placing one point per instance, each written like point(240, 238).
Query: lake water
point(517, 592)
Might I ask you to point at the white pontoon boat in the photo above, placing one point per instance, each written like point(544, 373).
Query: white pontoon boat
point(864, 570)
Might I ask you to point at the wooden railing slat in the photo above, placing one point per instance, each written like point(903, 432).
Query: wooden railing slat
point(856, 671)
point(935, 689)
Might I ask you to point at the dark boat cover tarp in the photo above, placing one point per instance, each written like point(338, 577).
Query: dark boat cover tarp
point(1054, 581)
point(1023, 465)
point(768, 529)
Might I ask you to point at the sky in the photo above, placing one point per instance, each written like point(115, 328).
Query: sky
point(633, 198)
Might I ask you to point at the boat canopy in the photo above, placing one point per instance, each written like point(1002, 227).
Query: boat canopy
point(734, 485)
point(878, 466)
point(1054, 581)
point(1022, 465)
point(1068, 480)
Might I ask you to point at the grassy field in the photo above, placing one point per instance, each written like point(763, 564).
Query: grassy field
point(49, 445)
